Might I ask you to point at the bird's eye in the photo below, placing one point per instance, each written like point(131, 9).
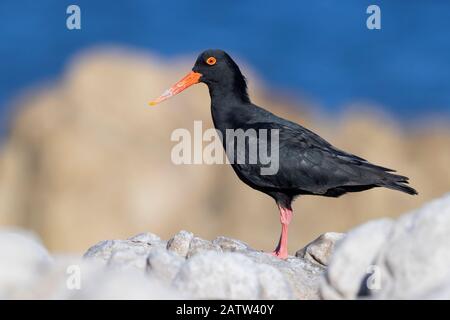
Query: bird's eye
point(211, 61)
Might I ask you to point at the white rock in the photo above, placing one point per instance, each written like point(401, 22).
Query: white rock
point(164, 264)
point(22, 260)
point(180, 243)
point(442, 292)
point(229, 276)
point(320, 250)
point(416, 259)
point(146, 237)
point(353, 256)
point(124, 284)
point(199, 245)
point(123, 253)
point(228, 244)
point(405, 259)
point(74, 278)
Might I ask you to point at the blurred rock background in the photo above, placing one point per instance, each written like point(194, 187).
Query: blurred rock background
point(86, 159)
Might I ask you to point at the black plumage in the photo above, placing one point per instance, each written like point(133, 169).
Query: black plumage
point(308, 165)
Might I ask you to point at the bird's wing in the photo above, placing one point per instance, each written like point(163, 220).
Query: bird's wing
point(308, 162)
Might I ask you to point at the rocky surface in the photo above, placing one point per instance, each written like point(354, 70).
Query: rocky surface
point(224, 268)
point(383, 259)
point(319, 251)
point(147, 267)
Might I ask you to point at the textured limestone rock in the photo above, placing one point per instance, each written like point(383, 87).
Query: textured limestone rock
point(223, 268)
point(164, 264)
point(231, 276)
point(199, 245)
point(180, 243)
point(228, 244)
point(146, 237)
point(125, 253)
point(320, 250)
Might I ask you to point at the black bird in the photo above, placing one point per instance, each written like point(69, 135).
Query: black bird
point(308, 165)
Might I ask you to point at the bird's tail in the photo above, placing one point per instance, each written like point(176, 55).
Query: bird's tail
point(397, 182)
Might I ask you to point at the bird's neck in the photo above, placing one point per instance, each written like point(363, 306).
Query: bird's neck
point(220, 95)
point(228, 110)
point(229, 99)
point(232, 90)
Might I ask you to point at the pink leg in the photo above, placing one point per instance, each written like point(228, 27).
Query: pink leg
point(285, 218)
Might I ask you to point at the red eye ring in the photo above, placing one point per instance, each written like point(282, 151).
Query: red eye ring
point(211, 61)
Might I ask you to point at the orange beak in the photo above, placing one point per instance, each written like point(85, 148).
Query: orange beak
point(190, 79)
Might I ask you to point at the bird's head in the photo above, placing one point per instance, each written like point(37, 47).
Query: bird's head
point(216, 69)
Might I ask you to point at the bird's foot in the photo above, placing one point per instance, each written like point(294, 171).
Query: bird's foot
point(279, 254)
